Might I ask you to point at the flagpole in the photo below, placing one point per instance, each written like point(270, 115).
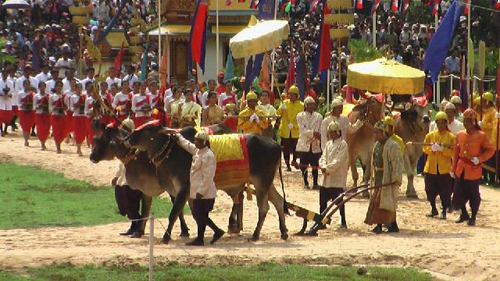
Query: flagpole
point(328, 81)
point(159, 39)
point(217, 36)
point(273, 57)
point(468, 56)
point(374, 33)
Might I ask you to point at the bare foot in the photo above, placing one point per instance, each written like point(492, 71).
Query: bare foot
point(59, 151)
point(26, 143)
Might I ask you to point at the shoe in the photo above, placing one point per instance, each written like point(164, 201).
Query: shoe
point(195, 242)
point(377, 229)
point(432, 214)
point(321, 226)
point(136, 234)
point(217, 236)
point(288, 169)
point(295, 165)
point(316, 187)
point(471, 222)
point(462, 218)
point(306, 186)
point(343, 226)
point(393, 229)
point(443, 215)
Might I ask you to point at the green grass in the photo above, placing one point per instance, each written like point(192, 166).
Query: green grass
point(264, 271)
point(33, 197)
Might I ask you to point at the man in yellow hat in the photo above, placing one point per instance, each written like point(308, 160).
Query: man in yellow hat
point(308, 144)
point(387, 167)
point(251, 119)
point(288, 130)
point(488, 124)
point(439, 149)
point(334, 164)
point(390, 125)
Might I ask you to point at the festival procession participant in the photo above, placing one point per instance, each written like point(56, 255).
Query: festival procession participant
point(107, 98)
point(89, 117)
point(228, 95)
point(131, 78)
point(488, 123)
point(390, 125)
point(90, 76)
point(387, 168)
point(472, 149)
point(336, 115)
point(334, 164)
point(26, 110)
point(44, 75)
point(439, 145)
point(122, 101)
point(211, 88)
point(288, 130)
point(308, 144)
point(54, 76)
point(454, 125)
point(157, 105)
point(77, 104)
point(68, 122)
point(42, 117)
point(190, 111)
point(212, 114)
point(322, 106)
point(70, 76)
point(222, 86)
point(270, 113)
point(141, 104)
point(128, 199)
point(231, 117)
point(112, 79)
point(6, 91)
point(57, 118)
point(457, 102)
point(251, 119)
point(202, 190)
point(173, 106)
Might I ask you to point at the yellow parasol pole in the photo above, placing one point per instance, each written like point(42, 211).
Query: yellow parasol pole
point(273, 57)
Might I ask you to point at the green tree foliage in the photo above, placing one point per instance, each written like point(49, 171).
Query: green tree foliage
point(363, 51)
point(418, 12)
point(3, 56)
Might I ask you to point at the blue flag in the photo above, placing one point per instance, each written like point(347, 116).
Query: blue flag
point(257, 64)
point(266, 9)
point(229, 71)
point(440, 43)
point(248, 74)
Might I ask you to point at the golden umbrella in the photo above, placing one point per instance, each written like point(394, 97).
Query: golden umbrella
point(385, 76)
point(258, 38)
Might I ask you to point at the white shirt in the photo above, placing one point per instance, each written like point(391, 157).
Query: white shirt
point(43, 77)
point(120, 174)
point(20, 82)
point(202, 171)
point(38, 99)
point(140, 102)
point(308, 125)
point(50, 84)
point(67, 84)
point(120, 100)
point(89, 105)
point(112, 81)
point(75, 107)
point(6, 97)
point(131, 79)
point(23, 95)
point(335, 159)
point(65, 64)
point(85, 81)
point(454, 127)
point(225, 96)
point(56, 101)
point(345, 127)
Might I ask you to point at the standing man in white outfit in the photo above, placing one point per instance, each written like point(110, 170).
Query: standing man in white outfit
point(203, 190)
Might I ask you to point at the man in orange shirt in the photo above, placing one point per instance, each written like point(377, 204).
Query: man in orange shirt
point(472, 148)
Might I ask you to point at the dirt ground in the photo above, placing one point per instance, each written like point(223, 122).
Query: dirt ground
point(448, 250)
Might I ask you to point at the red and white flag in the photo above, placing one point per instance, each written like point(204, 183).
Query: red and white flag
point(497, 5)
point(435, 7)
point(405, 6)
point(395, 5)
point(375, 6)
point(466, 6)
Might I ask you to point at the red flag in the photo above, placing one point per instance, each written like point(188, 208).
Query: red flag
point(405, 6)
point(324, 48)
point(359, 4)
point(435, 7)
point(198, 34)
point(395, 5)
point(466, 7)
point(228, 2)
point(290, 78)
point(118, 61)
point(375, 6)
point(497, 5)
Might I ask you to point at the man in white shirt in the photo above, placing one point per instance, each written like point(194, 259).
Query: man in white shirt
point(203, 190)
point(63, 63)
point(334, 164)
point(308, 144)
point(27, 75)
point(54, 76)
point(112, 79)
point(211, 88)
point(336, 115)
point(454, 125)
point(6, 91)
point(131, 78)
point(70, 75)
point(452, 63)
point(44, 76)
point(90, 76)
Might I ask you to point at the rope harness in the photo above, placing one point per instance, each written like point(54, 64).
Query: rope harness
point(163, 153)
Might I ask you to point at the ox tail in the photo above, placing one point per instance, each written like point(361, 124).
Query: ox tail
point(285, 205)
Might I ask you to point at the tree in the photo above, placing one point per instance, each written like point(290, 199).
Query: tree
point(3, 56)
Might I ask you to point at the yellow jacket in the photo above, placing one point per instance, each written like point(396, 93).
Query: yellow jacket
point(246, 126)
point(441, 159)
point(489, 122)
point(289, 116)
point(400, 142)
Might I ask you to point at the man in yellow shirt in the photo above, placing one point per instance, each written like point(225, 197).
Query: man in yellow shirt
point(488, 125)
point(390, 124)
point(439, 145)
point(251, 119)
point(289, 130)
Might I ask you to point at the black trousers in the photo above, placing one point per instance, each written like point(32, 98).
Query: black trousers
point(466, 190)
point(200, 210)
point(129, 201)
point(438, 185)
point(288, 146)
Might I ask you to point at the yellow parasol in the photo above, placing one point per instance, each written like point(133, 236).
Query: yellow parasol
point(385, 76)
point(259, 37)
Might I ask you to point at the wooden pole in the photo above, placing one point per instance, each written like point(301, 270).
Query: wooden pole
point(159, 39)
point(217, 37)
point(468, 57)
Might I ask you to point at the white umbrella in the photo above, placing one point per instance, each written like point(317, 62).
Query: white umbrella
point(15, 4)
